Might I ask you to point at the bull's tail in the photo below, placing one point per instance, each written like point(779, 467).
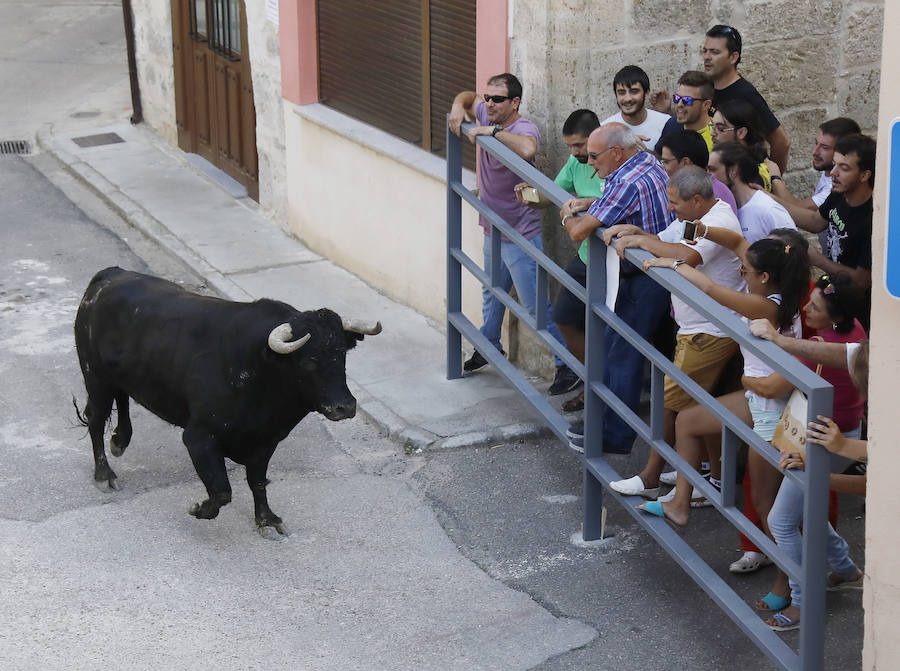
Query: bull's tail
point(81, 418)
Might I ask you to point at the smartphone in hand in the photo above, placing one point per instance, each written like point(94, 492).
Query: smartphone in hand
point(689, 232)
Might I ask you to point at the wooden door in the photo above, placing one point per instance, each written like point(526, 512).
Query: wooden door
point(214, 109)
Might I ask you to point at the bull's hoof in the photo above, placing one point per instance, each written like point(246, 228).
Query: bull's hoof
point(107, 485)
point(205, 510)
point(117, 444)
point(273, 533)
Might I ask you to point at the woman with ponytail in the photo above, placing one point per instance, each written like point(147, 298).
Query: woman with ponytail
point(777, 277)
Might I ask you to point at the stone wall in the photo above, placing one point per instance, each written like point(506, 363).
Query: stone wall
point(156, 65)
point(265, 69)
point(811, 59)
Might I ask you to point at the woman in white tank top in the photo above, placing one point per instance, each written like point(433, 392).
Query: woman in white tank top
point(777, 277)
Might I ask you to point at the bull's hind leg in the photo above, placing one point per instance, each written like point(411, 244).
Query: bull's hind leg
point(97, 410)
point(256, 478)
point(121, 435)
point(210, 466)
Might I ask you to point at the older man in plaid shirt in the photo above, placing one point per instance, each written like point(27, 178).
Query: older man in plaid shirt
point(635, 194)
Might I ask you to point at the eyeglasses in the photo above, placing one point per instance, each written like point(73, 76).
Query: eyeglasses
point(496, 99)
point(687, 100)
point(719, 128)
point(745, 270)
point(595, 155)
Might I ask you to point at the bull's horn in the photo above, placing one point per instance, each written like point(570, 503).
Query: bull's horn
point(360, 326)
point(280, 340)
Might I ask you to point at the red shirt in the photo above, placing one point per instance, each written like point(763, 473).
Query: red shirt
point(848, 402)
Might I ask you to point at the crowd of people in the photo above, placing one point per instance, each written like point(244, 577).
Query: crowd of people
point(695, 179)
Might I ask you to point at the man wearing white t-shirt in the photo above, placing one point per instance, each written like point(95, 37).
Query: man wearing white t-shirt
point(631, 86)
point(702, 349)
point(758, 212)
point(822, 160)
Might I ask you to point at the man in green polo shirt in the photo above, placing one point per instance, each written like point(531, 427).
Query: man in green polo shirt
point(576, 177)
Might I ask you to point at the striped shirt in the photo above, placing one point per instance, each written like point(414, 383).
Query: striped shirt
point(635, 194)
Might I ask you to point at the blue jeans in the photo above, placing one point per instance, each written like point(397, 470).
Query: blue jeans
point(785, 520)
point(519, 269)
point(642, 304)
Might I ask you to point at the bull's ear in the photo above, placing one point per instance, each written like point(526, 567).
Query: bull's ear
point(352, 337)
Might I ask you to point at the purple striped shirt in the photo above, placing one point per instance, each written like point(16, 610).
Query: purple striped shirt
point(635, 194)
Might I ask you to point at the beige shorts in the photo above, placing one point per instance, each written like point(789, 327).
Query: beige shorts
point(702, 357)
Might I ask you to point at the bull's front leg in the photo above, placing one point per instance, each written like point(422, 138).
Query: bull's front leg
point(256, 478)
point(210, 466)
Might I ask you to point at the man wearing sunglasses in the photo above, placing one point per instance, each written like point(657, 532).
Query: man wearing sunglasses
point(497, 115)
point(721, 56)
point(692, 101)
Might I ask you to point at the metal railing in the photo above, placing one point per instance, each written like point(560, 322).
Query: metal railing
point(597, 472)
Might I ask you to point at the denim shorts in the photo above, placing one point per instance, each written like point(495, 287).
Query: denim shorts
point(764, 421)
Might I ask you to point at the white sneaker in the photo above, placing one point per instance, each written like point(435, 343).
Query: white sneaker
point(668, 478)
point(634, 487)
point(750, 561)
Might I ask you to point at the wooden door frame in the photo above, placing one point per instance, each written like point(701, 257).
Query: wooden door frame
point(245, 170)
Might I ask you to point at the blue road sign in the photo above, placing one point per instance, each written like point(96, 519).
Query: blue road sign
point(892, 248)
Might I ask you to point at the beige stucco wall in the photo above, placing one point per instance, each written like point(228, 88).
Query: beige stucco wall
point(881, 598)
point(382, 219)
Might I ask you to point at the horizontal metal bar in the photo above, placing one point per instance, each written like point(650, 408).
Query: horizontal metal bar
point(541, 259)
point(521, 313)
point(709, 581)
point(735, 516)
point(550, 415)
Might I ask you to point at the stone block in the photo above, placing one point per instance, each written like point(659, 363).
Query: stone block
point(790, 73)
point(862, 44)
point(858, 98)
point(801, 126)
point(790, 19)
point(654, 18)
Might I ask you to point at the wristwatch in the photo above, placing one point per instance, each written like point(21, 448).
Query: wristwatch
point(677, 263)
point(774, 177)
point(496, 130)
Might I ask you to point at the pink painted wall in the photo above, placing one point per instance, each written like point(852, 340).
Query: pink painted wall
point(491, 43)
point(299, 51)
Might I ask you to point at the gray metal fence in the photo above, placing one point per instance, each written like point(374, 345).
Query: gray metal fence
point(597, 472)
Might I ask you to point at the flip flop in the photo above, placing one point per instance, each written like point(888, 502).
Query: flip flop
point(838, 584)
point(653, 508)
point(783, 623)
point(774, 603)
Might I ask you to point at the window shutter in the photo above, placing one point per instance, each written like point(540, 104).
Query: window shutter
point(370, 62)
point(452, 66)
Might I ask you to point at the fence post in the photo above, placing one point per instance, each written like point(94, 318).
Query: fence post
point(595, 364)
point(815, 519)
point(454, 243)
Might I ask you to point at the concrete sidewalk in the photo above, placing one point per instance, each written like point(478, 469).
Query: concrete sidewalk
point(204, 218)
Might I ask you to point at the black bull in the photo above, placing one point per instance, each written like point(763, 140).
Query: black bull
point(230, 374)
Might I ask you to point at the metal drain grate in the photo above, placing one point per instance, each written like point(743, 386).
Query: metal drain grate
point(97, 140)
point(14, 147)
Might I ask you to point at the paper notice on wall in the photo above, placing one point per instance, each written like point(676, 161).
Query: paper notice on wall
point(272, 11)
